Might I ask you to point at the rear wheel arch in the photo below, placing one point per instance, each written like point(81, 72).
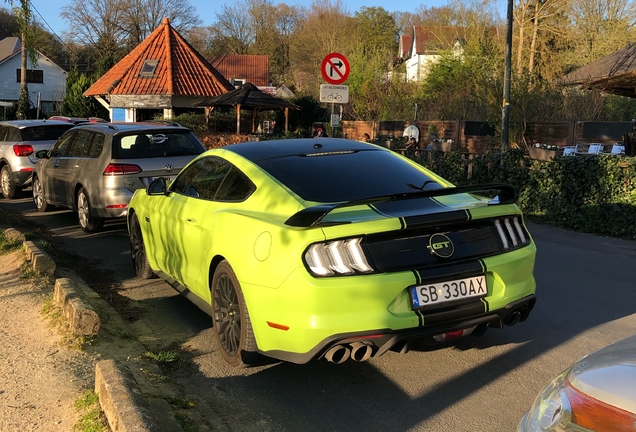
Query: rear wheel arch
point(213, 265)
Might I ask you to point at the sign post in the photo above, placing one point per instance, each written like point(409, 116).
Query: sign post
point(335, 70)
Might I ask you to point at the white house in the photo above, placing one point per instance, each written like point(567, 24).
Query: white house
point(426, 46)
point(46, 82)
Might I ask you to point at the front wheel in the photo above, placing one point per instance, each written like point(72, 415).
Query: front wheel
point(9, 189)
point(38, 196)
point(232, 326)
point(138, 250)
point(86, 215)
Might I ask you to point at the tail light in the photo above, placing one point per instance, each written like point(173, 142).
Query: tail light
point(22, 149)
point(334, 258)
point(511, 233)
point(121, 169)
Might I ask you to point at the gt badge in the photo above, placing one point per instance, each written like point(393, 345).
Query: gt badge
point(441, 246)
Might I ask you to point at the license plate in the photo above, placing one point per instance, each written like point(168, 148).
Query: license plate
point(442, 292)
point(168, 179)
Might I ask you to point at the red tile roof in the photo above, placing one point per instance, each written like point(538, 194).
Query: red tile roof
point(253, 68)
point(432, 40)
point(180, 70)
point(405, 45)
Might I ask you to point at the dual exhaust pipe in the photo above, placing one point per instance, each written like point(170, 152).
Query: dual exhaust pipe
point(357, 351)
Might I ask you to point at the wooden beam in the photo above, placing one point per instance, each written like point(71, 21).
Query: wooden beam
point(238, 119)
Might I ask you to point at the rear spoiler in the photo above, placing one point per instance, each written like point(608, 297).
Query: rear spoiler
point(312, 216)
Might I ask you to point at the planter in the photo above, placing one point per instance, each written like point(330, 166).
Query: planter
point(443, 146)
point(544, 154)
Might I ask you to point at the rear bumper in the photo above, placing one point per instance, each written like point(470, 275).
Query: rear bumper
point(383, 340)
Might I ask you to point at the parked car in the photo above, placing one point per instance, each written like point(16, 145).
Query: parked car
point(78, 120)
point(322, 247)
point(596, 393)
point(95, 168)
point(19, 140)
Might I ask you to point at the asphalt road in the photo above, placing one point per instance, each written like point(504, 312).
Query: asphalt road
point(585, 301)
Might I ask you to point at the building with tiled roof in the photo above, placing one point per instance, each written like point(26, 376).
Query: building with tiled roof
point(163, 75)
point(239, 69)
point(46, 82)
point(425, 48)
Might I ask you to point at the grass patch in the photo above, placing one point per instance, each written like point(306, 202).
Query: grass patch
point(186, 423)
point(180, 403)
point(92, 419)
point(7, 246)
point(163, 357)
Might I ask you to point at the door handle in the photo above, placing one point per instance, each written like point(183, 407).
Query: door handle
point(57, 163)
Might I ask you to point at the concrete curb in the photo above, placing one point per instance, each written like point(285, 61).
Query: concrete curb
point(82, 318)
point(40, 261)
point(122, 400)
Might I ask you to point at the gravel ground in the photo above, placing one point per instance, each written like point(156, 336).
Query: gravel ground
point(40, 377)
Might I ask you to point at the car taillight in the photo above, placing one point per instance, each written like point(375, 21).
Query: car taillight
point(22, 149)
point(121, 169)
point(511, 233)
point(339, 257)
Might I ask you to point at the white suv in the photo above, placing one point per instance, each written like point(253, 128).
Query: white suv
point(19, 140)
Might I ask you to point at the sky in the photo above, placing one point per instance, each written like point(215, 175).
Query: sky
point(48, 11)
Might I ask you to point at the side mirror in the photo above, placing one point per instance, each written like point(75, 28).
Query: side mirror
point(157, 187)
point(42, 154)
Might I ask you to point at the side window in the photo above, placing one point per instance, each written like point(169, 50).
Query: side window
point(235, 187)
point(14, 134)
point(79, 146)
point(97, 144)
point(202, 179)
point(3, 132)
point(61, 146)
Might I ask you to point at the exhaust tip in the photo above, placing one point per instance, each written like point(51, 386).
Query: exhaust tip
point(338, 354)
point(513, 318)
point(361, 351)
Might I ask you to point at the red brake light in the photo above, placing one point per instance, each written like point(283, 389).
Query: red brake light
point(121, 169)
point(22, 149)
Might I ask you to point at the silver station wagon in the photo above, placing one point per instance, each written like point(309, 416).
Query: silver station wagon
point(95, 168)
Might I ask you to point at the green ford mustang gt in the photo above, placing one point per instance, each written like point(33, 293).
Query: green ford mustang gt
point(322, 247)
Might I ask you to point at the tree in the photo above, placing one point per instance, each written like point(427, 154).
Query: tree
point(114, 27)
point(75, 104)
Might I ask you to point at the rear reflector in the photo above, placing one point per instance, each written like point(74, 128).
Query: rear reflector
point(22, 149)
point(277, 326)
point(26, 169)
point(121, 169)
point(117, 206)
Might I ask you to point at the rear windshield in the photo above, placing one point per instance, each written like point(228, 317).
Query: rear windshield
point(346, 176)
point(44, 133)
point(156, 144)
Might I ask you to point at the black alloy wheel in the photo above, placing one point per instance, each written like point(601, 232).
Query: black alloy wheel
point(138, 250)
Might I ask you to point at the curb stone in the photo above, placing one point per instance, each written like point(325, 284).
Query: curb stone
point(40, 261)
point(121, 399)
point(82, 318)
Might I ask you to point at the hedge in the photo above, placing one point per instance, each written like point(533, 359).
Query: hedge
point(594, 194)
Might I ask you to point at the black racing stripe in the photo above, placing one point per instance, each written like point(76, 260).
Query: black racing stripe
point(420, 318)
point(402, 223)
point(451, 271)
point(418, 279)
point(469, 215)
point(483, 300)
point(438, 218)
point(375, 209)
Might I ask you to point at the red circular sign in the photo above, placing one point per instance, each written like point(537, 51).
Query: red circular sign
point(335, 68)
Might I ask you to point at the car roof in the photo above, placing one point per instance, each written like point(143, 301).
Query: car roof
point(259, 150)
point(21, 124)
point(124, 127)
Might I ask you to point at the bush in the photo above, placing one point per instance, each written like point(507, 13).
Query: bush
point(595, 194)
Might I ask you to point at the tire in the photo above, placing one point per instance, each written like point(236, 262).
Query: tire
point(38, 196)
point(232, 327)
point(9, 189)
point(85, 214)
point(138, 250)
